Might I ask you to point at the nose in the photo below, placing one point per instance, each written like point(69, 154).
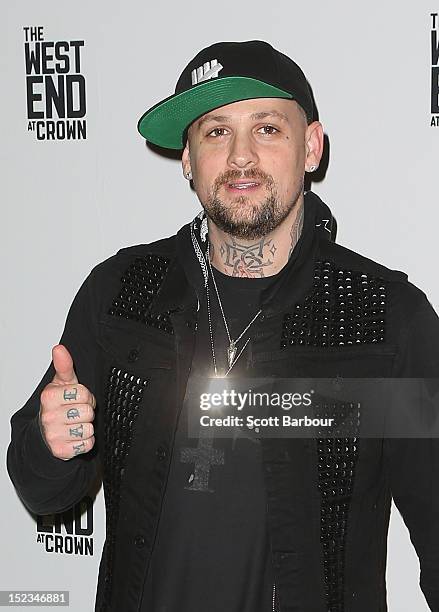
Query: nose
point(242, 153)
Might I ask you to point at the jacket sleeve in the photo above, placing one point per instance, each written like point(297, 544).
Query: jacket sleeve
point(45, 483)
point(414, 463)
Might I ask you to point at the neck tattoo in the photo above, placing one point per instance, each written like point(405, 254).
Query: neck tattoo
point(258, 259)
point(246, 260)
point(296, 228)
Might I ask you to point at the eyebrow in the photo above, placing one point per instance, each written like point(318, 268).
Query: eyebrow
point(254, 116)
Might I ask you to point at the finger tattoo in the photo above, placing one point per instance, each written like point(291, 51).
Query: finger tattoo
point(73, 413)
point(79, 448)
point(70, 394)
point(78, 432)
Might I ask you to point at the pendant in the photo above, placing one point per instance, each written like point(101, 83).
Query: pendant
point(231, 352)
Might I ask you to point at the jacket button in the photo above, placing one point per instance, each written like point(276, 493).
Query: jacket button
point(161, 453)
point(133, 355)
point(139, 541)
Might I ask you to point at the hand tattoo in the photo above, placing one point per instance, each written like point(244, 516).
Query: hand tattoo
point(79, 448)
point(77, 432)
point(70, 395)
point(73, 413)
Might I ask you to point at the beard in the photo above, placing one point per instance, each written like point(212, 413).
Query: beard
point(242, 218)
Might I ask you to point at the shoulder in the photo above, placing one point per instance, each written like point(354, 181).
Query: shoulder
point(163, 246)
point(159, 252)
point(135, 269)
point(403, 294)
point(343, 257)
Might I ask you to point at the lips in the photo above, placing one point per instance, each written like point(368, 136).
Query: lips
point(243, 185)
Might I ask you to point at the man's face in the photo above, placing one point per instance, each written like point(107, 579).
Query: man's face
point(248, 161)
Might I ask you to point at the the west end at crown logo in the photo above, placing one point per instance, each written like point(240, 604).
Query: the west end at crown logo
point(55, 87)
point(434, 122)
point(69, 532)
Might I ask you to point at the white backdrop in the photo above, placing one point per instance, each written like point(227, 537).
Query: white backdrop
point(68, 204)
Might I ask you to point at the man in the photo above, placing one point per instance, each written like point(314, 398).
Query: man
point(254, 286)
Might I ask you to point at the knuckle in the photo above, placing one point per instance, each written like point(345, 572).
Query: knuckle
point(58, 450)
point(47, 417)
point(86, 413)
point(79, 448)
point(44, 416)
point(47, 395)
point(83, 393)
point(50, 436)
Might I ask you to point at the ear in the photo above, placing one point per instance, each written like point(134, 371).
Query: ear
point(185, 159)
point(314, 139)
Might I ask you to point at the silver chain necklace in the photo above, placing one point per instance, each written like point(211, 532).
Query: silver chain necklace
point(232, 349)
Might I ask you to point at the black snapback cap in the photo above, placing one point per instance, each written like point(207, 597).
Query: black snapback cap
point(220, 74)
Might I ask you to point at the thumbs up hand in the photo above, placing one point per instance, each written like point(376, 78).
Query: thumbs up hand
point(66, 410)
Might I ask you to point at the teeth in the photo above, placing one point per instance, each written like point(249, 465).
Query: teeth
point(243, 185)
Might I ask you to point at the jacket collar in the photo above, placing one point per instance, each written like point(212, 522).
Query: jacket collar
point(292, 283)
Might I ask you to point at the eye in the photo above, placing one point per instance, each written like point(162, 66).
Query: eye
point(218, 129)
point(271, 129)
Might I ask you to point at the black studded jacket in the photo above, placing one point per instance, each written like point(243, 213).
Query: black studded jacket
point(131, 332)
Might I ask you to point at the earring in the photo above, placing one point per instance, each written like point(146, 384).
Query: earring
point(312, 168)
point(188, 175)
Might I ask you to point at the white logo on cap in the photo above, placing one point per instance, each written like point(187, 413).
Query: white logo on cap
point(209, 70)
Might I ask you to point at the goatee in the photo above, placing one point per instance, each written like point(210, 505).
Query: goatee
point(243, 219)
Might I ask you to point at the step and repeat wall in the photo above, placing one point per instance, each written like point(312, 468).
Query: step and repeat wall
point(78, 183)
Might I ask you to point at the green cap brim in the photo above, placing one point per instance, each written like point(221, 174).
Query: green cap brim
point(165, 123)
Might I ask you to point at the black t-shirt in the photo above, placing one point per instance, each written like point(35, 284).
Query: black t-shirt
point(212, 549)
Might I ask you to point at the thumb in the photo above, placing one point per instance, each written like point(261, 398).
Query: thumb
point(63, 364)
